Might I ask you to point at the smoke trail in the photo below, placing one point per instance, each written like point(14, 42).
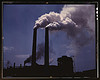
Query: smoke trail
point(41, 50)
point(51, 60)
point(45, 19)
point(80, 15)
point(40, 53)
point(54, 21)
point(75, 20)
point(86, 26)
point(84, 19)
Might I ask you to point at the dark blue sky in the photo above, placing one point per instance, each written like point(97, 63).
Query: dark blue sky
point(18, 22)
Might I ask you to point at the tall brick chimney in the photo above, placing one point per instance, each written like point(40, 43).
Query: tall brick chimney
point(46, 47)
point(34, 47)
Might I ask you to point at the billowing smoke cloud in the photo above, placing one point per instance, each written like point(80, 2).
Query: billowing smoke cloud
point(54, 21)
point(40, 53)
point(80, 15)
point(84, 19)
point(75, 20)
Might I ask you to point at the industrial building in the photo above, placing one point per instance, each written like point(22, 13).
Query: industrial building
point(63, 69)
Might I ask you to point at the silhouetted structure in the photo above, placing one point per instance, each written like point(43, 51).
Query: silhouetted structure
point(66, 64)
point(46, 47)
point(34, 47)
point(87, 73)
point(64, 68)
point(28, 60)
point(14, 65)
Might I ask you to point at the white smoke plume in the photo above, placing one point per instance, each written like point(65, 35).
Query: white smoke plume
point(54, 21)
point(75, 20)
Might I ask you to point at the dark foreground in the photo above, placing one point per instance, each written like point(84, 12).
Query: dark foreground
point(43, 71)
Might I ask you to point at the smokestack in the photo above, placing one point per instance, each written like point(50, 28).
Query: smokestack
point(34, 47)
point(46, 46)
point(20, 65)
point(14, 64)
